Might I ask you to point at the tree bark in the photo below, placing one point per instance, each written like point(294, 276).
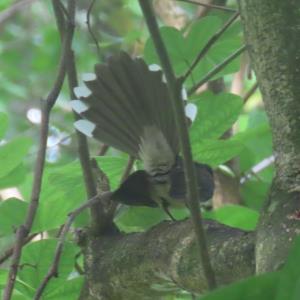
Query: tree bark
point(164, 260)
point(272, 33)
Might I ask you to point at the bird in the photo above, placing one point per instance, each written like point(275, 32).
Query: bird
point(126, 105)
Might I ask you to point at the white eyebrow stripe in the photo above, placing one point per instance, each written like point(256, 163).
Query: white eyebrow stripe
point(86, 127)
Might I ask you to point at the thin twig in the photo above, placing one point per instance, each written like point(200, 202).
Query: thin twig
point(60, 19)
point(217, 69)
point(53, 270)
point(212, 6)
point(102, 181)
point(8, 253)
point(97, 213)
point(13, 9)
point(103, 149)
point(208, 45)
point(175, 93)
point(250, 92)
point(25, 228)
point(77, 266)
point(88, 16)
point(83, 149)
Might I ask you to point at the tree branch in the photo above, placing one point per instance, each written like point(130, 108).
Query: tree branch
point(103, 150)
point(98, 220)
point(13, 9)
point(216, 69)
point(165, 260)
point(88, 23)
point(250, 92)
point(277, 24)
point(175, 94)
point(84, 156)
point(25, 228)
point(212, 6)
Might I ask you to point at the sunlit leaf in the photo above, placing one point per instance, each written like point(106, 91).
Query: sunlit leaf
point(234, 216)
point(63, 191)
point(113, 167)
point(216, 114)
point(216, 152)
point(289, 284)
point(13, 153)
point(65, 289)
point(3, 124)
point(132, 219)
point(183, 49)
point(3, 277)
point(257, 140)
point(37, 257)
point(14, 177)
point(12, 214)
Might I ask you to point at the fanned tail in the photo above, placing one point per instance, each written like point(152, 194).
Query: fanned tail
point(126, 99)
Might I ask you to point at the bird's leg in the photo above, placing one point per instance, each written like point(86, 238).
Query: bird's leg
point(164, 205)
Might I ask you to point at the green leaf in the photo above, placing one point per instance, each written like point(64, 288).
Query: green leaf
point(216, 152)
point(65, 289)
point(201, 31)
point(216, 55)
point(174, 42)
point(234, 216)
point(216, 114)
point(290, 280)
point(133, 218)
point(5, 4)
point(113, 167)
point(12, 154)
point(36, 259)
point(14, 177)
point(257, 140)
point(3, 124)
point(12, 214)
point(259, 288)
point(254, 192)
point(6, 242)
point(183, 49)
point(63, 191)
point(3, 278)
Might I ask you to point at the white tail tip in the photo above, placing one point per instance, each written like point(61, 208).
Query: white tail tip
point(82, 91)
point(79, 106)
point(86, 127)
point(191, 111)
point(88, 76)
point(154, 67)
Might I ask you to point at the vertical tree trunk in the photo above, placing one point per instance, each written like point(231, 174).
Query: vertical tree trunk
point(272, 32)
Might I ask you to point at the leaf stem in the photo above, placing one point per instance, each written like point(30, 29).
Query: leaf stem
point(217, 69)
